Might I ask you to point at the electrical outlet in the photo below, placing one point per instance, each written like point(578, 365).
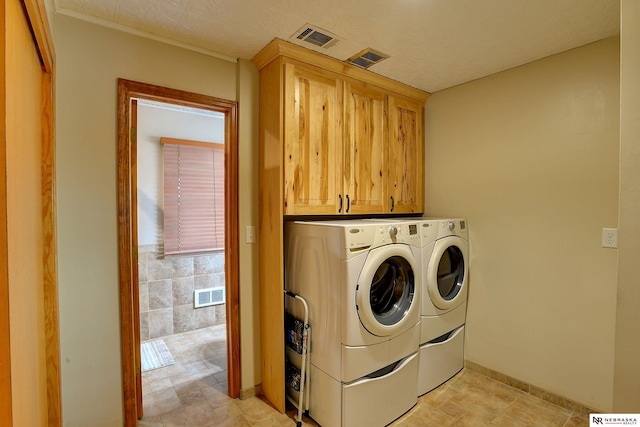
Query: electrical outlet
point(609, 237)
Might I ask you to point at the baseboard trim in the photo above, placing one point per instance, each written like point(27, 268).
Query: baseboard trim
point(251, 392)
point(547, 396)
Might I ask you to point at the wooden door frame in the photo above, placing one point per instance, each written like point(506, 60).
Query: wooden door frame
point(36, 16)
point(127, 229)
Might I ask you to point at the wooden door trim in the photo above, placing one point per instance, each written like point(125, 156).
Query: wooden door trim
point(137, 357)
point(127, 90)
point(36, 15)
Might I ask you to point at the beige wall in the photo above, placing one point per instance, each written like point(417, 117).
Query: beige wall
point(535, 155)
point(90, 59)
point(626, 396)
point(247, 96)
point(530, 157)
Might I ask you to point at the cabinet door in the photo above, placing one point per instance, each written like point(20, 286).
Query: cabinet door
point(365, 150)
point(406, 148)
point(312, 141)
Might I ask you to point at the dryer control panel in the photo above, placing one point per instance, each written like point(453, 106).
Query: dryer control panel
point(453, 227)
point(407, 233)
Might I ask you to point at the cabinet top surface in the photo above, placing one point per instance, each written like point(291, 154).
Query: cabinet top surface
point(280, 48)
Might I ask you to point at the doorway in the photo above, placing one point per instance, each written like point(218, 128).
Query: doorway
point(129, 256)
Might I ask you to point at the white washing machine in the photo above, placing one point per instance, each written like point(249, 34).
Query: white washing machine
point(360, 280)
point(445, 270)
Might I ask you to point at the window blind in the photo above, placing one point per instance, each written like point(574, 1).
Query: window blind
point(193, 196)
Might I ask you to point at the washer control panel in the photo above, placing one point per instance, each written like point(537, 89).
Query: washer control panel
point(398, 233)
point(367, 236)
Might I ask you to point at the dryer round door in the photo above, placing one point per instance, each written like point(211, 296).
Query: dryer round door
point(386, 292)
point(447, 272)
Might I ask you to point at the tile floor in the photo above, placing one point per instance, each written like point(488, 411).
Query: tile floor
point(193, 393)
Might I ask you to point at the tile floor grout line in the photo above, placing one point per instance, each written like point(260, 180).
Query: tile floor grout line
point(197, 398)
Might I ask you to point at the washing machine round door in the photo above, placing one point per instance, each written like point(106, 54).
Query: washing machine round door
point(386, 291)
point(447, 272)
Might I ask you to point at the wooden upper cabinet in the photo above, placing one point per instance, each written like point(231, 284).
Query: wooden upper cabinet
point(312, 141)
point(406, 151)
point(351, 140)
point(365, 154)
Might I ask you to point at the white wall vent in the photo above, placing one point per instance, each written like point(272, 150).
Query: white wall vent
point(207, 297)
point(315, 35)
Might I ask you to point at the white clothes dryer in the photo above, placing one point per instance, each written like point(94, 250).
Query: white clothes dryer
point(361, 282)
point(445, 272)
point(445, 269)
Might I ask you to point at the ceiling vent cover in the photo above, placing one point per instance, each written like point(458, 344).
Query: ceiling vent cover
point(316, 36)
point(367, 58)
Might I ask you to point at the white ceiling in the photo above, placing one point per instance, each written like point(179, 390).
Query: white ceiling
point(433, 44)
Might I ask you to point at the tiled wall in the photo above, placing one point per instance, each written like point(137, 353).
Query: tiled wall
point(166, 292)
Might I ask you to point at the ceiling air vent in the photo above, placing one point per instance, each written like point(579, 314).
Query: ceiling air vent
point(367, 58)
point(316, 36)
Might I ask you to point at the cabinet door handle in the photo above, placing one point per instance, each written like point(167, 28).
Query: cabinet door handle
point(340, 205)
point(393, 203)
point(348, 204)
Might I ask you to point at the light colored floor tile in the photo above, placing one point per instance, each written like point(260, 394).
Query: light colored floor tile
point(529, 410)
point(193, 415)
point(577, 421)
point(158, 402)
point(193, 393)
point(426, 416)
point(159, 385)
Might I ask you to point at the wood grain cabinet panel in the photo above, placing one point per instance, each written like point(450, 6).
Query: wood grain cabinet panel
point(365, 150)
point(312, 142)
point(406, 172)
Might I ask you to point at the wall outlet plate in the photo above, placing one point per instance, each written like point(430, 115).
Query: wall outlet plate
point(609, 237)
